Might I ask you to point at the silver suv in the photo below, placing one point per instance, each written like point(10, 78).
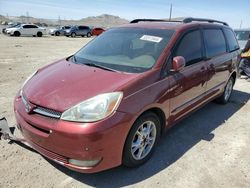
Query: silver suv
point(78, 31)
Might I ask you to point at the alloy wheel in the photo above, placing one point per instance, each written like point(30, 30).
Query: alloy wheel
point(143, 140)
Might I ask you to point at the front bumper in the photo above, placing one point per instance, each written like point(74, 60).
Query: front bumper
point(60, 140)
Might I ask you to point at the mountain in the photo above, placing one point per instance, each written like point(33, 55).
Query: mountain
point(3, 19)
point(104, 20)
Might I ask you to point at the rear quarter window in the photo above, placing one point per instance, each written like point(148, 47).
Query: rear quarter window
point(231, 39)
point(215, 42)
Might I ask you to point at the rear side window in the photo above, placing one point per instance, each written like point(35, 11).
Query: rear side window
point(231, 39)
point(83, 27)
point(33, 26)
point(190, 47)
point(215, 42)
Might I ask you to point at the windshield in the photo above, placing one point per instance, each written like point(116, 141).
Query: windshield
point(125, 49)
point(242, 35)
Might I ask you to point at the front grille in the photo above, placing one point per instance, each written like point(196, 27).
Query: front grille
point(30, 107)
point(49, 154)
point(47, 112)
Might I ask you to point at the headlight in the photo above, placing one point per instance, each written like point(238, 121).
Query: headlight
point(33, 74)
point(94, 109)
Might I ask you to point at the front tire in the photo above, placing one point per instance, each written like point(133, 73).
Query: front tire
point(17, 34)
point(57, 33)
point(224, 98)
point(73, 35)
point(141, 140)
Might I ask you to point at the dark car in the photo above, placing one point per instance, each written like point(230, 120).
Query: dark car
point(97, 31)
point(78, 31)
point(109, 103)
point(59, 30)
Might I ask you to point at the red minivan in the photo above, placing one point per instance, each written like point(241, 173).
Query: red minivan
point(109, 103)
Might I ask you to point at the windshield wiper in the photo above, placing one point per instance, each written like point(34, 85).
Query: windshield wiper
point(99, 66)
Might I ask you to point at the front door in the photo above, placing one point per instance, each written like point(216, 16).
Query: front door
point(188, 86)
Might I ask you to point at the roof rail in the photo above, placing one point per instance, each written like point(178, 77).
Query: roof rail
point(185, 20)
point(190, 19)
point(152, 20)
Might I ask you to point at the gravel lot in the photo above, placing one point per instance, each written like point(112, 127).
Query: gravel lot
point(208, 149)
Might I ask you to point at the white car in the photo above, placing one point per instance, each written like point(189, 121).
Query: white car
point(26, 30)
point(242, 35)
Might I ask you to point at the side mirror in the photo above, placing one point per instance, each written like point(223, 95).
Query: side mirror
point(178, 63)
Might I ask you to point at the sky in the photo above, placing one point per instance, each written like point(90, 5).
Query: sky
point(236, 13)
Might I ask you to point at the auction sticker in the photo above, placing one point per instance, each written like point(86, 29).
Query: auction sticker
point(151, 38)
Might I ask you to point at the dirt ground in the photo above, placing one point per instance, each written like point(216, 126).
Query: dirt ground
point(208, 149)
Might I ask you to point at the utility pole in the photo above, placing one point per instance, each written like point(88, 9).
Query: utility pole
point(170, 15)
point(27, 16)
point(240, 24)
point(59, 20)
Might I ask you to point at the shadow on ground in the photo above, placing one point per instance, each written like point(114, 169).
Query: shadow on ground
point(174, 144)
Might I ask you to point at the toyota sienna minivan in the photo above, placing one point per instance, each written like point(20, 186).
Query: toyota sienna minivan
point(110, 102)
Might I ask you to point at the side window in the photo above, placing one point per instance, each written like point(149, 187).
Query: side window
point(33, 26)
point(231, 39)
point(26, 27)
point(83, 27)
point(190, 47)
point(215, 42)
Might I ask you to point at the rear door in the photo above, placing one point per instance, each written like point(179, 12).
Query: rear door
point(26, 30)
point(188, 86)
point(218, 59)
point(83, 30)
point(33, 30)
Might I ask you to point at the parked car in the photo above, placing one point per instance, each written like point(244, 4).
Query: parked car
point(26, 30)
point(11, 26)
point(97, 31)
point(78, 31)
point(109, 103)
point(242, 36)
point(59, 31)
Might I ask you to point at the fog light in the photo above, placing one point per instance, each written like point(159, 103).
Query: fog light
point(86, 163)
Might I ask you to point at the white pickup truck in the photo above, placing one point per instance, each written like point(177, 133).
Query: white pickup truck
point(26, 30)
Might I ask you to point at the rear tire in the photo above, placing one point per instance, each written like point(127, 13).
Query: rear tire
point(88, 35)
point(17, 34)
point(224, 98)
point(141, 140)
point(57, 33)
point(39, 34)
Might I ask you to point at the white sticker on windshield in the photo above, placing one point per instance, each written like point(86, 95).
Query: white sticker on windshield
point(151, 38)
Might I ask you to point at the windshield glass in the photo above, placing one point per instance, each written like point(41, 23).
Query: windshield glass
point(125, 49)
point(242, 35)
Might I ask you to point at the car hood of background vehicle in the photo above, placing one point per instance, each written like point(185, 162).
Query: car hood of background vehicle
point(64, 84)
point(10, 29)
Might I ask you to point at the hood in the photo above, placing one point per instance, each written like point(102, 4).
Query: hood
point(64, 84)
point(11, 29)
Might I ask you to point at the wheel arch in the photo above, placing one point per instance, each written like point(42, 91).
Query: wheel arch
point(234, 76)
